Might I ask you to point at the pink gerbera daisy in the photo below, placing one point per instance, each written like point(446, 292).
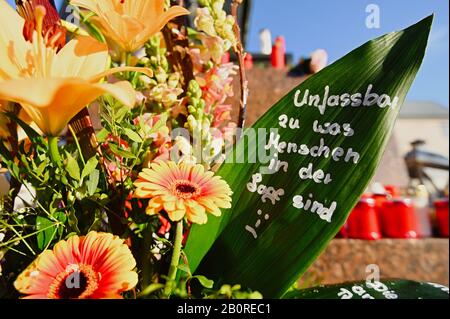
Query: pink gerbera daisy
point(183, 190)
point(97, 266)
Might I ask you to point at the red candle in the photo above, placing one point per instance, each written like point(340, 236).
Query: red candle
point(379, 201)
point(392, 190)
point(442, 216)
point(363, 221)
point(278, 57)
point(399, 219)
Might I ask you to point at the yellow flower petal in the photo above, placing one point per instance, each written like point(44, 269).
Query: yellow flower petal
point(52, 103)
point(99, 76)
point(129, 24)
point(160, 22)
point(169, 206)
point(82, 57)
point(177, 215)
point(196, 213)
point(13, 47)
point(183, 190)
point(210, 206)
point(154, 206)
point(88, 4)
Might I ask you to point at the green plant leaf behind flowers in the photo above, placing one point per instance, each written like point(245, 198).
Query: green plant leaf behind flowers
point(89, 167)
point(267, 246)
point(385, 289)
point(73, 168)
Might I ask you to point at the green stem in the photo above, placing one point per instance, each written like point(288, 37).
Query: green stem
point(54, 151)
point(127, 61)
point(176, 254)
point(146, 264)
point(77, 143)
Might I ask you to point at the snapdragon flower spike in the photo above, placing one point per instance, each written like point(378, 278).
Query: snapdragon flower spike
point(48, 24)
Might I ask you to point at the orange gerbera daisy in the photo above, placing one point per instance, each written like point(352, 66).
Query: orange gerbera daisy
point(183, 190)
point(96, 266)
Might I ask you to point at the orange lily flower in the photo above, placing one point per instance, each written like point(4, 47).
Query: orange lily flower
point(130, 23)
point(53, 85)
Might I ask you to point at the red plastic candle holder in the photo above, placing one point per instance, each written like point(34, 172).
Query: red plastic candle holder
point(442, 216)
point(363, 221)
point(399, 219)
point(278, 56)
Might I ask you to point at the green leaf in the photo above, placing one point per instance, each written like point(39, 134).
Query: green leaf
point(120, 113)
point(72, 167)
point(117, 151)
point(385, 289)
point(205, 282)
point(89, 167)
point(192, 32)
point(160, 124)
point(102, 135)
point(133, 135)
point(62, 218)
point(185, 268)
point(46, 232)
point(290, 238)
point(73, 221)
point(92, 183)
point(151, 289)
point(40, 169)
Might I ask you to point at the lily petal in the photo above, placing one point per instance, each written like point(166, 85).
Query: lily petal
point(160, 21)
point(100, 76)
point(13, 47)
point(82, 57)
point(52, 103)
point(130, 24)
point(87, 4)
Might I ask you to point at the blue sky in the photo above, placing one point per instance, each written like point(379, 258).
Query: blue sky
point(339, 27)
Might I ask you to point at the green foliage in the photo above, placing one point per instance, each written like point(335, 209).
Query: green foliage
point(224, 250)
point(386, 289)
point(60, 195)
point(73, 194)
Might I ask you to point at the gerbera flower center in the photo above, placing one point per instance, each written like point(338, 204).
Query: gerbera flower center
point(186, 189)
point(77, 282)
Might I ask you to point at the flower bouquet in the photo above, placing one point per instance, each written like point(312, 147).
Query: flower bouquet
point(128, 177)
